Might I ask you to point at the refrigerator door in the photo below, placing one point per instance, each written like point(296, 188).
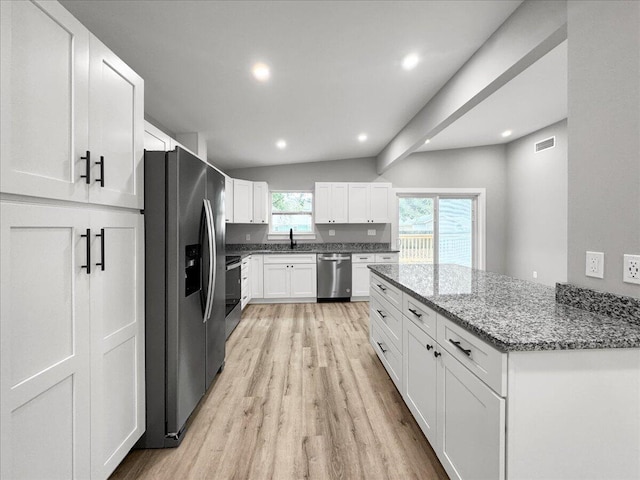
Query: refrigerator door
point(185, 365)
point(215, 325)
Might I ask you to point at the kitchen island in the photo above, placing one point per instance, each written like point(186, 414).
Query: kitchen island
point(504, 381)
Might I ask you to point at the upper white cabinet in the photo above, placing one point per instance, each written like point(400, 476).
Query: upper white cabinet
point(228, 199)
point(331, 202)
point(369, 202)
point(242, 201)
point(65, 94)
point(155, 139)
point(260, 202)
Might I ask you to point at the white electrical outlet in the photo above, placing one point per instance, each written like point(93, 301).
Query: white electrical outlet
point(332, 233)
point(535, 274)
point(631, 269)
point(371, 233)
point(595, 265)
point(248, 237)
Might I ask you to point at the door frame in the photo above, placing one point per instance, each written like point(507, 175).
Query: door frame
point(480, 195)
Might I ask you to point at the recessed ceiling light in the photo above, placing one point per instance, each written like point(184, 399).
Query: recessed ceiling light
point(427, 141)
point(261, 72)
point(362, 137)
point(410, 61)
point(281, 144)
point(506, 133)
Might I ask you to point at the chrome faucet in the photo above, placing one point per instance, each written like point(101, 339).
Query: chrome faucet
point(293, 244)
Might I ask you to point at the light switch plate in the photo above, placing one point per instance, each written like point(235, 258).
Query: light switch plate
point(595, 265)
point(371, 233)
point(631, 267)
point(248, 236)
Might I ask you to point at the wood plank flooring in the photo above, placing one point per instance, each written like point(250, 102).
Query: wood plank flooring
point(303, 395)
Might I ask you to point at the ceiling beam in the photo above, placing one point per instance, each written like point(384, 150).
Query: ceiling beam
point(534, 29)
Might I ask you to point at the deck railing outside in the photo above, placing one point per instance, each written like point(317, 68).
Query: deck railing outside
point(416, 248)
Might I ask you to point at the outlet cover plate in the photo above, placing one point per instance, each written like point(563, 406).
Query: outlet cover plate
point(595, 265)
point(332, 233)
point(631, 269)
point(371, 232)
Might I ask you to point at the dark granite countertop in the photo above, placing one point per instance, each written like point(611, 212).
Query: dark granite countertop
point(284, 248)
point(510, 314)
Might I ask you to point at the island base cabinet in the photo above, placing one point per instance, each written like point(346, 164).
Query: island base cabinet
point(470, 424)
point(389, 355)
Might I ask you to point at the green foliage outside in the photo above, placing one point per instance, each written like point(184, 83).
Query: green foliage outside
point(291, 202)
point(414, 210)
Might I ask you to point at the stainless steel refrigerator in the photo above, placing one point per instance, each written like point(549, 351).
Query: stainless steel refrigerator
point(185, 289)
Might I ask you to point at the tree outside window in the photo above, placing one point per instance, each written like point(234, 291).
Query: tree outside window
point(291, 210)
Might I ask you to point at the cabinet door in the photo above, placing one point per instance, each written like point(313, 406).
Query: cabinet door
point(260, 203)
point(117, 337)
point(44, 95)
point(359, 203)
point(257, 288)
point(242, 201)
point(303, 280)
point(228, 199)
point(360, 279)
point(44, 343)
point(116, 129)
point(380, 203)
point(420, 378)
point(322, 199)
point(276, 281)
point(340, 202)
point(471, 423)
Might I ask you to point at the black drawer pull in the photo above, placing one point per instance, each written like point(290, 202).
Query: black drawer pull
point(429, 347)
point(457, 344)
point(87, 235)
point(381, 347)
point(436, 354)
point(101, 163)
point(381, 314)
point(101, 235)
point(87, 168)
point(382, 288)
point(419, 315)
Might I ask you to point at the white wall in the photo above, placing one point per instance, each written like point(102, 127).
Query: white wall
point(604, 139)
point(536, 214)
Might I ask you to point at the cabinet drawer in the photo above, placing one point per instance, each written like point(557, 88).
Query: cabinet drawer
point(423, 316)
point(486, 362)
point(386, 290)
point(363, 258)
point(290, 259)
point(386, 258)
point(389, 318)
point(389, 355)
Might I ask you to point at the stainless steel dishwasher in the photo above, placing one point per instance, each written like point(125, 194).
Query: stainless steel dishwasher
point(334, 276)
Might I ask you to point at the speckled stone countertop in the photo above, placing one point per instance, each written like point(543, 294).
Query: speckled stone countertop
point(511, 314)
point(247, 249)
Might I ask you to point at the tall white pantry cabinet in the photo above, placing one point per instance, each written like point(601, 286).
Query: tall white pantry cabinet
point(71, 248)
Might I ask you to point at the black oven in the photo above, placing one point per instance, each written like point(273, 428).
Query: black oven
point(233, 293)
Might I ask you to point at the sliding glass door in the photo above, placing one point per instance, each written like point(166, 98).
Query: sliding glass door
point(437, 229)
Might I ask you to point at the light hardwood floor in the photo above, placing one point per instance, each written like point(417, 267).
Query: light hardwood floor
point(303, 395)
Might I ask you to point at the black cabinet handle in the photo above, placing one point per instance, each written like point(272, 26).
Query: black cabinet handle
point(429, 347)
point(381, 347)
point(381, 314)
point(436, 354)
point(101, 163)
point(457, 344)
point(419, 315)
point(87, 168)
point(382, 288)
point(87, 235)
point(101, 235)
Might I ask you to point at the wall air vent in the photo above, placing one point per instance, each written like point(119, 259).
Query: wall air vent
point(545, 144)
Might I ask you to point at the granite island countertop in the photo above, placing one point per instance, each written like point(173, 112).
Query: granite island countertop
point(510, 314)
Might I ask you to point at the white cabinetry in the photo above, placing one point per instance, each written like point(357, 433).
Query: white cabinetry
point(228, 199)
point(155, 139)
point(261, 208)
point(245, 281)
point(257, 284)
point(369, 203)
point(290, 276)
point(242, 201)
point(331, 202)
point(360, 271)
point(72, 340)
point(65, 94)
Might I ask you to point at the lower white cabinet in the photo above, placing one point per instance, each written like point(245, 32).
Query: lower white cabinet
point(290, 276)
point(257, 284)
point(245, 281)
point(71, 340)
point(360, 271)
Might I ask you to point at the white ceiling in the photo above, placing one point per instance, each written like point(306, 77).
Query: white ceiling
point(534, 99)
point(335, 68)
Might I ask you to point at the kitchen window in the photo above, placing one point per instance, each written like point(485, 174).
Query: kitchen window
point(291, 210)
